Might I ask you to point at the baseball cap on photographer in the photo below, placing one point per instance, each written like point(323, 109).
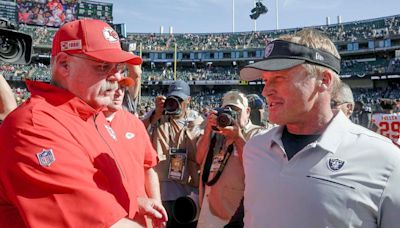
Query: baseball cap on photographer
point(179, 89)
point(255, 101)
point(236, 99)
point(281, 55)
point(93, 38)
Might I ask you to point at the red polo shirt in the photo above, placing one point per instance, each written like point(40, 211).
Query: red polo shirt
point(62, 166)
point(133, 135)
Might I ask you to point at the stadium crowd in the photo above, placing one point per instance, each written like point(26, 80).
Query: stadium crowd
point(343, 32)
point(41, 35)
point(52, 13)
point(40, 71)
point(351, 31)
point(187, 74)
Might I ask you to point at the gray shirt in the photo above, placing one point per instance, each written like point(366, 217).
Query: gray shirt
point(349, 177)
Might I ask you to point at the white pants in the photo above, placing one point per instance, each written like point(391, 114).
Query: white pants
point(206, 218)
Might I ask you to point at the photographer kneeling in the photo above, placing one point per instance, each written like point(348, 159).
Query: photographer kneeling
point(174, 139)
point(219, 151)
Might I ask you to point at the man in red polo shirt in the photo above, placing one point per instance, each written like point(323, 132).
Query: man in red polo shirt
point(62, 165)
point(133, 135)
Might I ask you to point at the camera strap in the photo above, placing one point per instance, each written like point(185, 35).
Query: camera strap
point(207, 165)
point(175, 132)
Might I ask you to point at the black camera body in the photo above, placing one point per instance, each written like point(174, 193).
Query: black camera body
point(226, 116)
point(15, 47)
point(172, 106)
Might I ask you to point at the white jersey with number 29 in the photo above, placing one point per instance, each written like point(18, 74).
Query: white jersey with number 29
point(388, 125)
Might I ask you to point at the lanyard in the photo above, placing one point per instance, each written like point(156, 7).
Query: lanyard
point(173, 137)
point(207, 165)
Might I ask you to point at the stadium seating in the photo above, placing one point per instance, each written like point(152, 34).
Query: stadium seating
point(349, 31)
point(379, 63)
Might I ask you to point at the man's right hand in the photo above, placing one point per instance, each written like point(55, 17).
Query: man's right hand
point(154, 209)
point(211, 121)
point(160, 100)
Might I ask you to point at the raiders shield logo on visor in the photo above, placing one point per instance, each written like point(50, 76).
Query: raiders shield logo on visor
point(268, 50)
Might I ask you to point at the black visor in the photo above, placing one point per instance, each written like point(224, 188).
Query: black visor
point(281, 55)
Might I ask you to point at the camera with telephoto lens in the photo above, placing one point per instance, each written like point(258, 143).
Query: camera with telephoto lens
point(172, 106)
point(226, 116)
point(15, 47)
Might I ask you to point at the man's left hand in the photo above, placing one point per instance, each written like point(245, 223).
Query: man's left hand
point(154, 209)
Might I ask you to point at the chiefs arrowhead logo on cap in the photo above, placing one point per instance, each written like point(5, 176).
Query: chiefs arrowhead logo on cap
point(110, 35)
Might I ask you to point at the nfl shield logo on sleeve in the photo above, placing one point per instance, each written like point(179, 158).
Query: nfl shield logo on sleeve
point(46, 157)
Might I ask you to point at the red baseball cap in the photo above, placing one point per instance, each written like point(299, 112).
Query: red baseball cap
point(93, 38)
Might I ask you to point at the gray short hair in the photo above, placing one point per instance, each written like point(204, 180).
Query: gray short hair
point(343, 94)
point(316, 39)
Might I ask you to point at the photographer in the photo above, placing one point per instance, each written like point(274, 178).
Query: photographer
point(175, 144)
point(257, 112)
point(219, 151)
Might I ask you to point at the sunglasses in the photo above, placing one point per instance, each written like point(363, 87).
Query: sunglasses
point(106, 68)
point(335, 104)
